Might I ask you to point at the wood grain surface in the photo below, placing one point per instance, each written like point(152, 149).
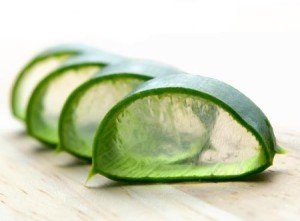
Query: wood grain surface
point(38, 184)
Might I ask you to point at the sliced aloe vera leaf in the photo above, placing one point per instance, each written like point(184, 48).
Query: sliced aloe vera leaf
point(88, 104)
point(36, 70)
point(48, 97)
point(149, 135)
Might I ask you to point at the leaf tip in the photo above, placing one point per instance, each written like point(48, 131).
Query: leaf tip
point(280, 150)
point(91, 174)
point(58, 149)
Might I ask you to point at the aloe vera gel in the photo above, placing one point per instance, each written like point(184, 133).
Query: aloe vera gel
point(89, 103)
point(183, 127)
point(140, 120)
point(49, 96)
point(37, 69)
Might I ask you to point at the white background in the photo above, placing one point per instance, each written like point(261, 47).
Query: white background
point(252, 45)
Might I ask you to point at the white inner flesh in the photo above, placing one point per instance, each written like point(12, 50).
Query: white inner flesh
point(96, 102)
point(176, 127)
point(34, 75)
point(60, 88)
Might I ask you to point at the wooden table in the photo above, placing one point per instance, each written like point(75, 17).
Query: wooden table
point(38, 184)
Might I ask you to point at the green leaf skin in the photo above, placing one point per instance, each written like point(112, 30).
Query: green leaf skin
point(48, 97)
point(25, 82)
point(88, 104)
point(144, 136)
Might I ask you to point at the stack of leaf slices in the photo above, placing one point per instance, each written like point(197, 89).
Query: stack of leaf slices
point(140, 120)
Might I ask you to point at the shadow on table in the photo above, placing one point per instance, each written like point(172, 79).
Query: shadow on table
point(41, 149)
point(21, 136)
point(264, 177)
